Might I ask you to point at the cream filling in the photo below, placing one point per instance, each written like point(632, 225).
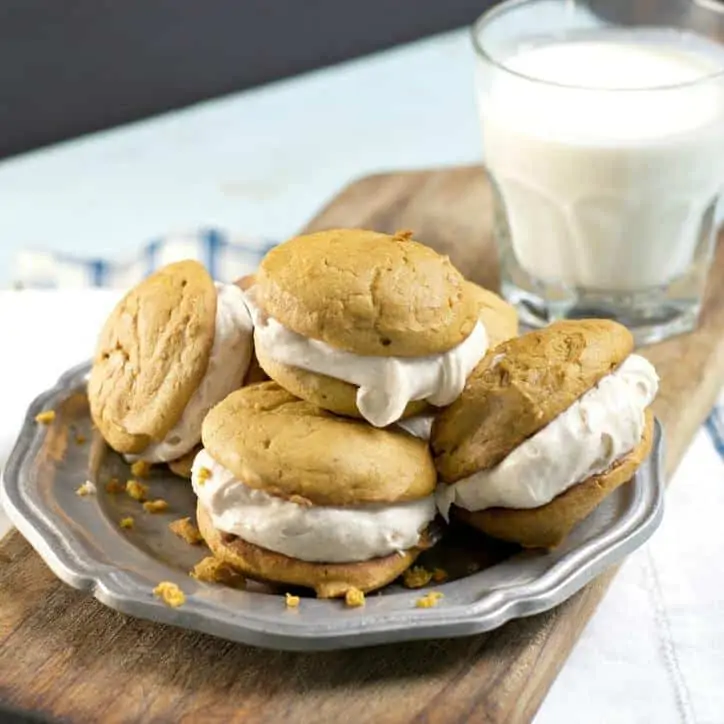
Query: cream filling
point(386, 384)
point(318, 534)
point(603, 425)
point(419, 425)
point(228, 363)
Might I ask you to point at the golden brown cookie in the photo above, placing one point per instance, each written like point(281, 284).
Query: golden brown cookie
point(548, 525)
point(151, 356)
point(519, 387)
point(327, 392)
point(329, 580)
point(500, 320)
point(367, 293)
point(271, 440)
point(498, 317)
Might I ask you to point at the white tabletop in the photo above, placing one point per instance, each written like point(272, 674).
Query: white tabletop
point(262, 162)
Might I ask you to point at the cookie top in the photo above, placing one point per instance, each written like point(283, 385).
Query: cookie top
point(273, 441)
point(152, 353)
point(499, 318)
point(366, 292)
point(519, 387)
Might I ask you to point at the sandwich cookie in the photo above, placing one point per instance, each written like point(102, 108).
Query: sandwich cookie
point(172, 348)
point(549, 424)
point(366, 324)
point(290, 493)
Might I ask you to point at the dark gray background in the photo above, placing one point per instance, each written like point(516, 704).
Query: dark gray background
point(68, 67)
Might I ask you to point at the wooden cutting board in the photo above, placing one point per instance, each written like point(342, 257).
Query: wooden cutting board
point(66, 655)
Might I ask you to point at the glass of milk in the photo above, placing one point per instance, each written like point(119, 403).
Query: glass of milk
point(603, 134)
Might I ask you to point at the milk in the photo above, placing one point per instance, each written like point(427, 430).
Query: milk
point(606, 189)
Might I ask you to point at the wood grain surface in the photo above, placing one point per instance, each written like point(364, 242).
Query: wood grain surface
point(66, 655)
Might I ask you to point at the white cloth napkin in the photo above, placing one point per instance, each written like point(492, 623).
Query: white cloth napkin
point(654, 651)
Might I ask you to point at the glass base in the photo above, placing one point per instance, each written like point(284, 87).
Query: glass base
point(651, 316)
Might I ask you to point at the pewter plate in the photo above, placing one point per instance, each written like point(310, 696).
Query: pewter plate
point(81, 541)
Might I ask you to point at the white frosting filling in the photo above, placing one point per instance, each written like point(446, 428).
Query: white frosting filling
point(228, 363)
point(318, 534)
point(419, 425)
point(604, 424)
point(386, 384)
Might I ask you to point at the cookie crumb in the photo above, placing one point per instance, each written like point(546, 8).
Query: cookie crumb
point(80, 439)
point(126, 522)
point(114, 486)
point(140, 469)
point(45, 417)
point(300, 500)
point(185, 529)
point(212, 570)
point(416, 577)
point(439, 575)
point(155, 506)
point(203, 475)
point(354, 598)
point(291, 601)
point(137, 491)
point(170, 594)
point(88, 488)
point(429, 600)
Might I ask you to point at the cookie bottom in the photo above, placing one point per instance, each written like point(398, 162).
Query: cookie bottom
point(328, 393)
point(182, 466)
point(329, 580)
point(548, 525)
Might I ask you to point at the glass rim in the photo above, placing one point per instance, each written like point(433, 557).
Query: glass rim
point(492, 13)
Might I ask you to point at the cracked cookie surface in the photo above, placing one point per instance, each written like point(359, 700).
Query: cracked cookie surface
point(290, 448)
point(519, 387)
point(367, 293)
point(151, 355)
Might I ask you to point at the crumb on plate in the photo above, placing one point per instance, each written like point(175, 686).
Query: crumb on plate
point(416, 577)
point(429, 600)
point(170, 594)
point(45, 417)
point(212, 570)
point(185, 529)
point(80, 439)
point(291, 601)
point(114, 486)
point(155, 506)
point(88, 488)
point(126, 522)
point(137, 491)
point(203, 475)
point(439, 575)
point(354, 598)
point(140, 469)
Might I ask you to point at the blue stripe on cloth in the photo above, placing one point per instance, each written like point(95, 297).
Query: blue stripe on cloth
point(151, 254)
point(99, 270)
point(214, 243)
point(715, 427)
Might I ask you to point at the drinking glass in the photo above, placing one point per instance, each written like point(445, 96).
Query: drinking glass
point(603, 135)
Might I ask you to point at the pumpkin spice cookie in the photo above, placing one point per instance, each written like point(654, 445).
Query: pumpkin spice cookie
point(548, 425)
point(290, 493)
point(174, 346)
point(368, 325)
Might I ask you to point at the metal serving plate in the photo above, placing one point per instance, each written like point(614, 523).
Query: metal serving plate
point(81, 541)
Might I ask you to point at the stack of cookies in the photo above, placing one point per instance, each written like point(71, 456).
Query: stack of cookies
point(397, 395)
